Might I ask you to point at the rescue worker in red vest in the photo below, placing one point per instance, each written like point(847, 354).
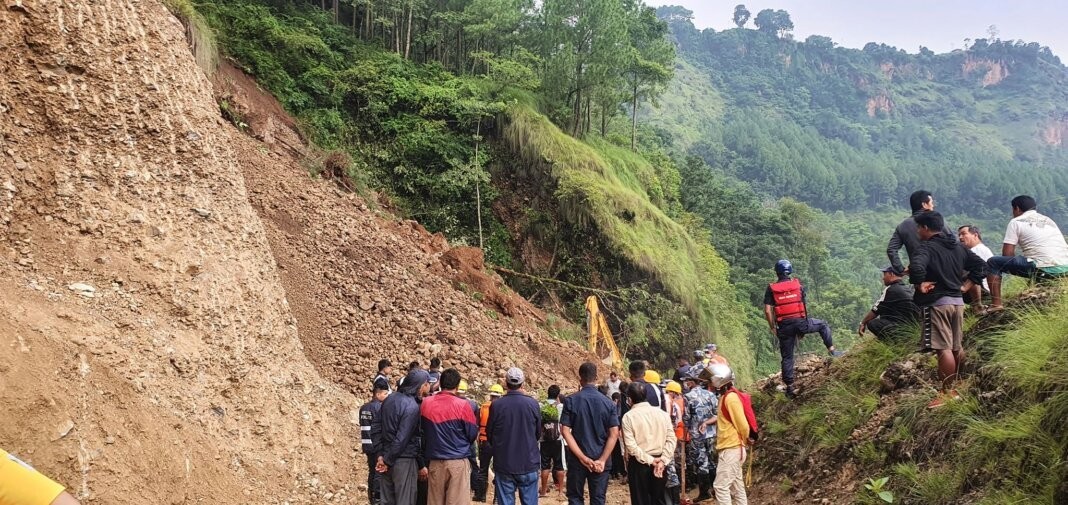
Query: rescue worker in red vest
point(485, 455)
point(784, 308)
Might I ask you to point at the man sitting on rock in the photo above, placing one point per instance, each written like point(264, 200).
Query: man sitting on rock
point(893, 310)
point(1042, 248)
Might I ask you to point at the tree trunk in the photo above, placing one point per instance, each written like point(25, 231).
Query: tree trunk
point(634, 117)
point(337, 11)
point(354, 9)
point(586, 128)
point(604, 120)
point(408, 37)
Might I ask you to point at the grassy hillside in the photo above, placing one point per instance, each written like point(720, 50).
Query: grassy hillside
point(613, 192)
point(1006, 441)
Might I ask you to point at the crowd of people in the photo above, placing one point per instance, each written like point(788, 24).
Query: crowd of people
point(427, 443)
point(946, 272)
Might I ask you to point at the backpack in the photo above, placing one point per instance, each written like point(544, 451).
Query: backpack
point(750, 416)
point(789, 302)
point(550, 422)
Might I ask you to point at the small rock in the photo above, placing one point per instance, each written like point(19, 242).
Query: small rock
point(204, 213)
point(10, 186)
point(63, 429)
point(82, 289)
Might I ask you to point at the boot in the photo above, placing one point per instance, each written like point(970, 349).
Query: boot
point(704, 483)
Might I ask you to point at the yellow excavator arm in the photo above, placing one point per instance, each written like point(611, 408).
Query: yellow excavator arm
point(597, 326)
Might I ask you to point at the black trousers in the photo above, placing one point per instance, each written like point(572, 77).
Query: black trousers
point(481, 481)
point(645, 489)
point(372, 480)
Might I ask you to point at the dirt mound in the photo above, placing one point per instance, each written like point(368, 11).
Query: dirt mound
point(149, 355)
point(364, 285)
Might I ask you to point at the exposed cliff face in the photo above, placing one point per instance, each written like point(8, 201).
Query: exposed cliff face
point(881, 103)
point(1055, 130)
point(990, 72)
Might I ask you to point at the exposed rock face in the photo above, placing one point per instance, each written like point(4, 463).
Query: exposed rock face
point(991, 72)
point(880, 103)
point(1054, 130)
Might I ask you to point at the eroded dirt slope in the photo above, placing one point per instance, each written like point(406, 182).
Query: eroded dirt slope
point(364, 284)
point(148, 352)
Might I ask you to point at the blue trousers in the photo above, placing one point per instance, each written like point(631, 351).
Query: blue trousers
point(790, 330)
point(1014, 265)
point(505, 486)
point(579, 477)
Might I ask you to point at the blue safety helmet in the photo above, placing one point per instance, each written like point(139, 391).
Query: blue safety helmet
point(783, 267)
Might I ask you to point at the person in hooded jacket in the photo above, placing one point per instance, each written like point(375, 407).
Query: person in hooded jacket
point(399, 448)
point(938, 271)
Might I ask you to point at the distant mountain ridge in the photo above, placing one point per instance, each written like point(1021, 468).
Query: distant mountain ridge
point(846, 129)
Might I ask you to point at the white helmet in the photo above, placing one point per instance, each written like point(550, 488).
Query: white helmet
point(721, 375)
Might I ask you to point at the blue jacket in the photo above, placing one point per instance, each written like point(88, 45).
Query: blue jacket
point(398, 421)
point(449, 426)
point(513, 431)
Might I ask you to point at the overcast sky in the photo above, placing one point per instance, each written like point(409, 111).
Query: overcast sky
point(941, 25)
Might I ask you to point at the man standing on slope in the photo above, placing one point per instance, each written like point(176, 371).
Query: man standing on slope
point(971, 238)
point(732, 436)
point(368, 412)
point(399, 448)
point(893, 310)
point(590, 427)
point(449, 429)
point(485, 452)
point(905, 233)
point(514, 430)
point(787, 315)
point(937, 272)
point(1042, 248)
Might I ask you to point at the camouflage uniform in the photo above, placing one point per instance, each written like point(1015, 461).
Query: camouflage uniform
point(701, 404)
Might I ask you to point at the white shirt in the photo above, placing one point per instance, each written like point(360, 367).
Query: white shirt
point(984, 252)
point(1039, 239)
point(613, 386)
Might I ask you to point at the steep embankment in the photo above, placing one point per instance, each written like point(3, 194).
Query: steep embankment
point(865, 417)
point(150, 352)
point(364, 285)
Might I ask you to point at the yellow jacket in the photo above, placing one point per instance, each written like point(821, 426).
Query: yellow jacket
point(736, 431)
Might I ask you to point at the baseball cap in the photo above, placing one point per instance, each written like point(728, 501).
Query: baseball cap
point(712, 347)
point(514, 377)
point(891, 269)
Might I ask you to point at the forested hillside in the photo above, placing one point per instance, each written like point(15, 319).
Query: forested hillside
point(850, 129)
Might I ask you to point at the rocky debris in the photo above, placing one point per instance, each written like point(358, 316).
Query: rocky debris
point(111, 147)
point(363, 285)
point(904, 374)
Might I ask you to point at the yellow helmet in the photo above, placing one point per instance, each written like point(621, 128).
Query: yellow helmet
point(652, 377)
point(496, 390)
point(674, 387)
point(463, 386)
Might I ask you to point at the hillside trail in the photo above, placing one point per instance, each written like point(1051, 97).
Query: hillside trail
point(186, 312)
